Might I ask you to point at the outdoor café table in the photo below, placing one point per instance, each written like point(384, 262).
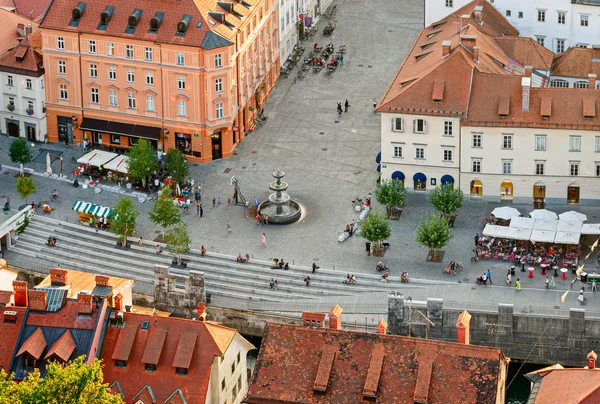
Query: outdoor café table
point(555, 267)
point(564, 274)
point(530, 269)
point(543, 266)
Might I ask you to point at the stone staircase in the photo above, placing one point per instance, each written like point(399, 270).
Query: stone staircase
point(82, 248)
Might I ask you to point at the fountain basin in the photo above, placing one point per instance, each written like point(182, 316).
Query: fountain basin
point(281, 186)
point(291, 211)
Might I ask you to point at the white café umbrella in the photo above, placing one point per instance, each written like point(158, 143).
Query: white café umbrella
point(543, 214)
point(591, 228)
point(491, 230)
point(565, 237)
point(547, 225)
point(505, 212)
point(542, 236)
point(572, 216)
point(514, 233)
point(522, 223)
point(572, 227)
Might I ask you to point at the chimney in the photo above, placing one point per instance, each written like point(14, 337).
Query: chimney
point(592, 81)
point(37, 300)
point(526, 88)
point(85, 303)
point(477, 11)
point(591, 358)
point(476, 53)
point(446, 48)
point(313, 319)
point(201, 311)
point(528, 71)
point(28, 30)
point(463, 328)
point(102, 280)
point(382, 327)
point(335, 318)
point(21, 296)
point(464, 20)
point(58, 277)
point(21, 29)
point(118, 302)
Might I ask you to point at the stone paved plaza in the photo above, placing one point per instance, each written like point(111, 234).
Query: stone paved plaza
point(328, 160)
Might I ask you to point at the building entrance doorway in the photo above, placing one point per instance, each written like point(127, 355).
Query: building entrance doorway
point(476, 189)
point(539, 195)
point(30, 132)
point(573, 194)
point(12, 128)
point(506, 190)
point(216, 145)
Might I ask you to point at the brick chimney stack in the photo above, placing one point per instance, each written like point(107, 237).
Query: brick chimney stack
point(463, 328)
point(313, 319)
point(37, 300)
point(382, 327)
point(28, 30)
point(464, 20)
point(85, 303)
point(201, 311)
point(21, 296)
point(335, 318)
point(528, 71)
point(477, 12)
point(476, 53)
point(591, 359)
point(592, 81)
point(102, 280)
point(525, 92)
point(446, 48)
point(58, 277)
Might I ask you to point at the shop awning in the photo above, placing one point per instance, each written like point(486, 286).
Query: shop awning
point(120, 164)
point(419, 177)
point(378, 158)
point(92, 209)
point(447, 179)
point(514, 233)
point(120, 128)
point(378, 168)
point(97, 158)
point(398, 176)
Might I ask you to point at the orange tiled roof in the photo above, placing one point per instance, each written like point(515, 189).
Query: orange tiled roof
point(390, 367)
point(34, 345)
point(569, 386)
point(67, 317)
point(191, 344)
point(79, 281)
point(31, 9)
point(9, 36)
point(22, 59)
point(527, 51)
point(63, 347)
point(9, 333)
point(577, 62)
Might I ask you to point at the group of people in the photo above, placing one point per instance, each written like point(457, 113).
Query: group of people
point(240, 258)
point(51, 240)
point(280, 264)
point(350, 279)
point(346, 106)
point(273, 283)
point(262, 218)
point(350, 228)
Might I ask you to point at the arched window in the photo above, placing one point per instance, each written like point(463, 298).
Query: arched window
point(581, 84)
point(559, 83)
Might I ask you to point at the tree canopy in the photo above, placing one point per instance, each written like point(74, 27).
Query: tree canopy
point(25, 187)
point(177, 239)
point(391, 194)
point(446, 199)
point(123, 222)
point(433, 232)
point(164, 212)
point(74, 383)
point(375, 228)
point(142, 160)
point(20, 152)
point(177, 165)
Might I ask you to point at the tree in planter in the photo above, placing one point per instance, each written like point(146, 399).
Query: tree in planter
point(177, 165)
point(434, 233)
point(375, 229)
point(123, 222)
point(74, 382)
point(391, 194)
point(446, 200)
point(164, 212)
point(142, 160)
point(25, 187)
point(20, 152)
point(177, 239)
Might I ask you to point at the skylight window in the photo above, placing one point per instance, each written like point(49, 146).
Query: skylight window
point(155, 22)
point(183, 25)
point(433, 34)
point(105, 17)
point(77, 13)
point(133, 21)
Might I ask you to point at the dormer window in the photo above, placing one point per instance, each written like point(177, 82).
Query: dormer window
point(105, 17)
point(120, 364)
point(182, 26)
point(77, 13)
point(181, 371)
point(133, 21)
point(155, 22)
point(28, 363)
point(149, 367)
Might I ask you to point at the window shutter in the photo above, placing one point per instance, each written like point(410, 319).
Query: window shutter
point(401, 124)
point(424, 126)
point(414, 126)
point(393, 124)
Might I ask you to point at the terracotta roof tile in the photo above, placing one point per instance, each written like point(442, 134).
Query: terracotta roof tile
point(63, 347)
point(546, 107)
point(374, 372)
point(324, 369)
point(503, 105)
point(80, 281)
point(423, 381)
point(185, 349)
point(34, 345)
point(289, 358)
point(5, 297)
point(67, 317)
point(31, 9)
point(124, 343)
point(154, 346)
point(221, 335)
point(569, 386)
point(527, 51)
point(9, 36)
point(146, 395)
point(577, 62)
point(10, 333)
point(589, 107)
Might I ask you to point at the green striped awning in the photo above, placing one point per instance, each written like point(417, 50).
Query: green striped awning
point(92, 209)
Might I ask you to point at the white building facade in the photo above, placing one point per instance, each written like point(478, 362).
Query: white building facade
point(556, 24)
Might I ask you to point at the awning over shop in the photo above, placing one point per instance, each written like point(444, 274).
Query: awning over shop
point(97, 158)
point(447, 179)
point(120, 164)
point(92, 209)
point(398, 176)
point(419, 177)
point(378, 158)
point(378, 168)
point(120, 128)
point(569, 227)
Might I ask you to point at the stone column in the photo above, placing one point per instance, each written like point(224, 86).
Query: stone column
point(161, 284)
point(434, 314)
point(396, 315)
point(197, 290)
point(576, 323)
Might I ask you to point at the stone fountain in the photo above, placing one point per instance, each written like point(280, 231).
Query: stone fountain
point(280, 208)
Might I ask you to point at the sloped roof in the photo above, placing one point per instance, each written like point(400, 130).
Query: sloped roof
point(577, 62)
point(31, 9)
point(80, 281)
point(63, 347)
point(9, 36)
point(34, 345)
point(569, 386)
point(22, 59)
point(10, 334)
point(213, 41)
point(394, 369)
point(527, 51)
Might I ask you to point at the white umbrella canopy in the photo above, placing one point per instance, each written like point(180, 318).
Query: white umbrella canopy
point(505, 212)
point(543, 214)
point(572, 227)
point(565, 237)
point(572, 216)
point(592, 228)
point(546, 225)
point(542, 236)
point(491, 230)
point(514, 233)
point(522, 222)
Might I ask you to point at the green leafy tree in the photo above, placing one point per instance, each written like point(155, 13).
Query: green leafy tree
point(20, 152)
point(164, 212)
point(177, 165)
point(74, 383)
point(375, 228)
point(446, 199)
point(142, 160)
point(177, 239)
point(25, 187)
point(123, 222)
point(391, 194)
point(434, 233)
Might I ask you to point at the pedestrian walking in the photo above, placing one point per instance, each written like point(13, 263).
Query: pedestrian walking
point(235, 195)
point(218, 202)
point(581, 297)
point(476, 239)
point(197, 208)
point(214, 202)
point(201, 210)
point(342, 60)
point(509, 278)
point(374, 103)
point(552, 283)
point(272, 283)
point(276, 284)
point(263, 239)
point(346, 105)
point(229, 226)
point(518, 284)
point(228, 202)
point(140, 242)
point(197, 195)
point(547, 281)
point(307, 281)
point(314, 267)
point(489, 276)
point(158, 249)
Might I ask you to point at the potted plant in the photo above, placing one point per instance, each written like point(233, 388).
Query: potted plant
point(250, 108)
point(29, 111)
point(10, 106)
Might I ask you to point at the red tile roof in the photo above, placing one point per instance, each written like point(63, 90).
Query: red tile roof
point(34, 345)
point(289, 360)
point(63, 347)
point(22, 59)
point(124, 344)
point(195, 343)
point(31, 8)
point(577, 386)
point(5, 297)
point(9, 36)
point(577, 62)
point(527, 51)
point(67, 317)
point(9, 333)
